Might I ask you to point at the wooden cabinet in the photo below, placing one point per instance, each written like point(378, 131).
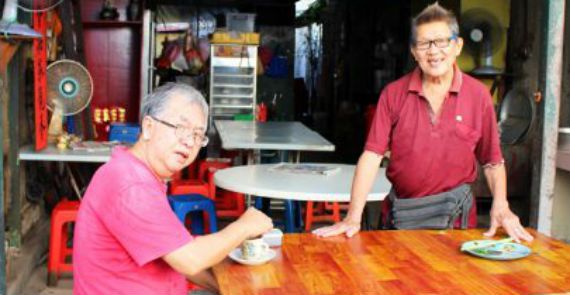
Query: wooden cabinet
point(114, 54)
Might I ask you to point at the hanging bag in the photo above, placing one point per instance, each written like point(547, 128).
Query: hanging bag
point(278, 66)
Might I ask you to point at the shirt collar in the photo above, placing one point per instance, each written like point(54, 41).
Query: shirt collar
point(123, 153)
point(416, 80)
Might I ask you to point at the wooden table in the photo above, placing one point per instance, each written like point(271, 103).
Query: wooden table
point(398, 262)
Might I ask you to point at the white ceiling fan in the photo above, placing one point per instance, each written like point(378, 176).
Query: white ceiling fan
point(9, 25)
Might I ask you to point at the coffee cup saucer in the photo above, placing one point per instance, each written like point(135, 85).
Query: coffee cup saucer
point(236, 256)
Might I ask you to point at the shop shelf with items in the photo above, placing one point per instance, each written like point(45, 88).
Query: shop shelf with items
point(233, 80)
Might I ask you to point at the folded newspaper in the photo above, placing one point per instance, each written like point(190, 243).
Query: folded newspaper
point(305, 168)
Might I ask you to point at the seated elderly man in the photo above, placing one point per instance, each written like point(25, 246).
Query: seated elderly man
point(127, 239)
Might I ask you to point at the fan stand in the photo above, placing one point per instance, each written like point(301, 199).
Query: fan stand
point(487, 69)
point(55, 128)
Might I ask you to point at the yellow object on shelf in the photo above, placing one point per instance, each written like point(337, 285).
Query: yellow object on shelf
point(235, 38)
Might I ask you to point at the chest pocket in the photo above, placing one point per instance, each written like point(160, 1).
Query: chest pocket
point(466, 135)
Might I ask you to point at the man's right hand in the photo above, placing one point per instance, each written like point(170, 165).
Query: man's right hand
point(348, 227)
point(255, 222)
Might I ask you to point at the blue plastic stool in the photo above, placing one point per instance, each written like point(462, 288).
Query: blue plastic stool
point(195, 205)
point(293, 220)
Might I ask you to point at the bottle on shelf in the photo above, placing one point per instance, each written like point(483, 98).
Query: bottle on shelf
point(261, 112)
point(134, 10)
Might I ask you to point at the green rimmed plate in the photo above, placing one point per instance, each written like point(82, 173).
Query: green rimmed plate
point(497, 251)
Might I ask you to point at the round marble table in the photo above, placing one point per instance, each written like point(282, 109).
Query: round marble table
point(261, 180)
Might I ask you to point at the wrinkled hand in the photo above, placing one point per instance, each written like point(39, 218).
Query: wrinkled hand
point(348, 227)
point(255, 222)
point(502, 216)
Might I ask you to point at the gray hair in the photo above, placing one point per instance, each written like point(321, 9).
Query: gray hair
point(155, 103)
point(434, 13)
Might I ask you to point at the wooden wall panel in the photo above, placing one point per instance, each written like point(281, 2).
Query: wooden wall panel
point(113, 59)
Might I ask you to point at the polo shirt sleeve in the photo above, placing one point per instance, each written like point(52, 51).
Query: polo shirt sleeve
point(488, 150)
point(379, 134)
point(141, 219)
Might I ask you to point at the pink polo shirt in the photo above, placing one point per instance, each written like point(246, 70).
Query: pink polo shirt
point(432, 154)
point(124, 228)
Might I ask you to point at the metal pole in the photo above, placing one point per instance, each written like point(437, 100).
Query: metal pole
point(3, 91)
point(553, 24)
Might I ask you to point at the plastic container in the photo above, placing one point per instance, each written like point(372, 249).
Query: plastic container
point(274, 237)
point(235, 38)
point(240, 22)
point(124, 132)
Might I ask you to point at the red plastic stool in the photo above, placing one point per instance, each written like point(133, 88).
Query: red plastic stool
point(228, 204)
point(63, 213)
point(179, 186)
point(311, 217)
point(187, 186)
point(218, 163)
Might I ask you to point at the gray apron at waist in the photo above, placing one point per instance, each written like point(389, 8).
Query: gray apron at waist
point(437, 211)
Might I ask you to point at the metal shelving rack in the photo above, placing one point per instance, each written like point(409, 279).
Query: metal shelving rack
point(233, 81)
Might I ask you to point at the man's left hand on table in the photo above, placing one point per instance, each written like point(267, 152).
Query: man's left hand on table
point(502, 216)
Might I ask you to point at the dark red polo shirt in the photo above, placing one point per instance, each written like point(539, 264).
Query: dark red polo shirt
point(432, 154)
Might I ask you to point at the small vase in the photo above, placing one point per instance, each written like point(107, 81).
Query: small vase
point(134, 10)
point(108, 12)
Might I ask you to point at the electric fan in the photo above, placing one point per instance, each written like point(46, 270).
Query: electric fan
point(9, 24)
point(69, 91)
point(483, 36)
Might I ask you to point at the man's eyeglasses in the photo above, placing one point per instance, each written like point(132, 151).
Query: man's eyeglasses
point(439, 43)
point(183, 133)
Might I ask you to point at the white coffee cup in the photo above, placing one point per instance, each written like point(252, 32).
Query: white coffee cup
point(253, 249)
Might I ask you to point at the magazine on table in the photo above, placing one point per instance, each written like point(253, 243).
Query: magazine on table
point(318, 169)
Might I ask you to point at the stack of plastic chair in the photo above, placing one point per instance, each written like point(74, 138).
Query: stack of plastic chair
point(178, 185)
point(59, 258)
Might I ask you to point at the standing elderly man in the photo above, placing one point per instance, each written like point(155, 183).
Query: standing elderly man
point(127, 239)
point(437, 123)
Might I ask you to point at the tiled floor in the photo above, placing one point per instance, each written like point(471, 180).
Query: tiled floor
point(37, 284)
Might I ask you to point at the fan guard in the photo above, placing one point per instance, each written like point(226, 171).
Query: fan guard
point(483, 35)
point(69, 85)
point(9, 24)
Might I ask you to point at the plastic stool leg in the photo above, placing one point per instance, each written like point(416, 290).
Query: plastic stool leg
point(258, 204)
point(55, 251)
point(309, 216)
point(197, 224)
point(298, 215)
point(211, 211)
point(336, 212)
point(289, 216)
